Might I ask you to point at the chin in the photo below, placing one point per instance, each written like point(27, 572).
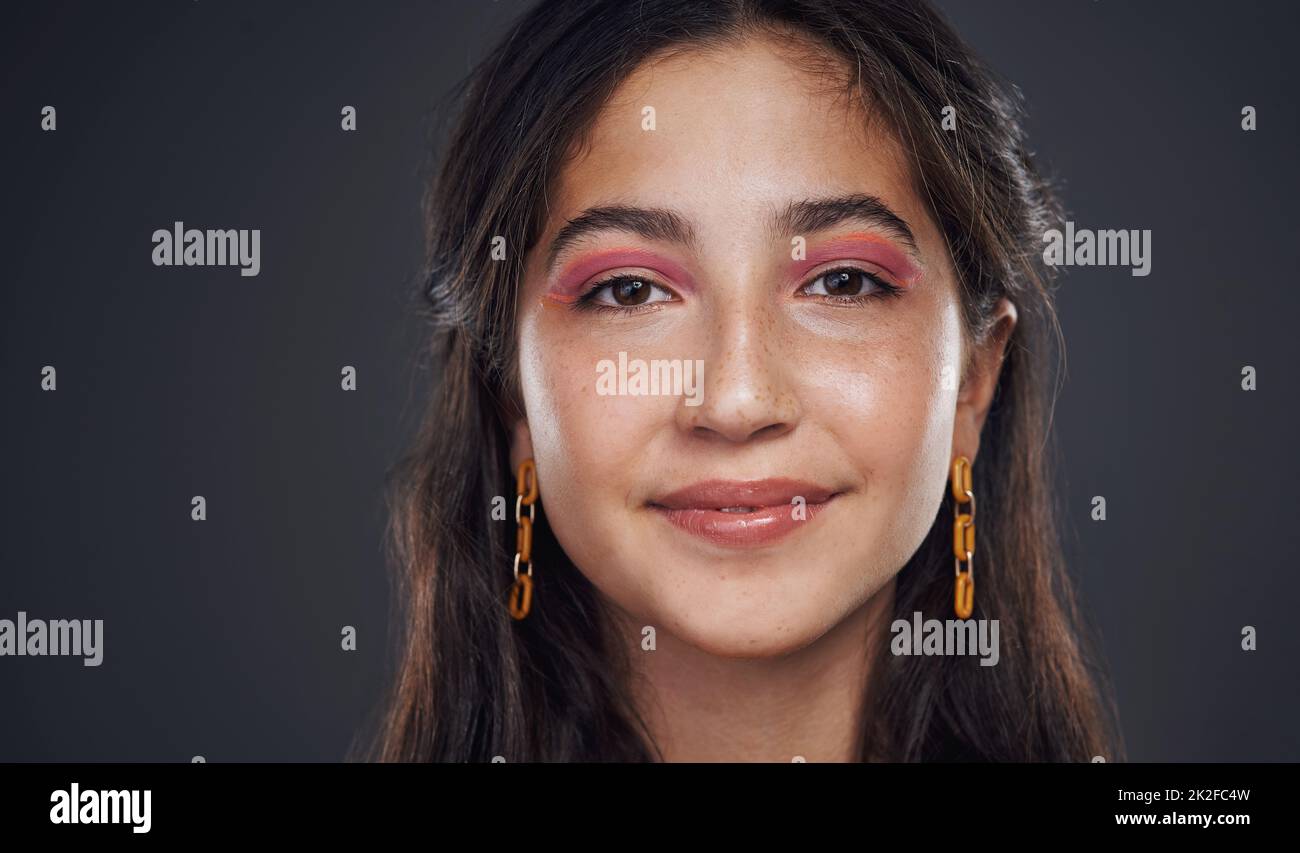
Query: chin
point(746, 644)
point(739, 635)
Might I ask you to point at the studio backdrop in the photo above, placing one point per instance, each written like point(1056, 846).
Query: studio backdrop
point(196, 449)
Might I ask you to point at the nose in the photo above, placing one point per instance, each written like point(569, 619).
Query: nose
point(749, 394)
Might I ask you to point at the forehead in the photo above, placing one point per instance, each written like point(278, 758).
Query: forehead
point(734, 129)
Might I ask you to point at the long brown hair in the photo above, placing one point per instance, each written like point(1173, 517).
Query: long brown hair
point(470, 683)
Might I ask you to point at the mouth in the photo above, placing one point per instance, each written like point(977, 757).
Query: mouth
point(742, 514)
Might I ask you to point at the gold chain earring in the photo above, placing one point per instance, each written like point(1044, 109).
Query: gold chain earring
point(963, 538)
point(521, 593)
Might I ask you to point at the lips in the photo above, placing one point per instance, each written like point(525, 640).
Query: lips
point(743, 513)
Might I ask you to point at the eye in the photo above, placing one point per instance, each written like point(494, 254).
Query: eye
point(626, 291)
point(849, 283)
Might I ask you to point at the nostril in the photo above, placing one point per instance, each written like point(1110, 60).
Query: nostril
point(769, 431)
point(739, 433)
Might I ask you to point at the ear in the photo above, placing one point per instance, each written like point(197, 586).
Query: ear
point(521, 444)
point(981, 382)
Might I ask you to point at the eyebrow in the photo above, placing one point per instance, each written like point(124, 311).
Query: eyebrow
point(798, 217)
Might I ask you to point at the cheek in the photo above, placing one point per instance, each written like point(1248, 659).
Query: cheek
point(563, 419)
point(588, 447)
point(889, 399)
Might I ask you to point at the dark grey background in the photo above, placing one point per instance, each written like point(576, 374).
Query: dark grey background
point(222, 638)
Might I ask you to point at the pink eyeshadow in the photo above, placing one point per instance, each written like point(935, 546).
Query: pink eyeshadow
point(863, 247)
point(567, 285)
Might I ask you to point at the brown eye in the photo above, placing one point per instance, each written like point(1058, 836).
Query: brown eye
point(630, 291)
point(843, 282)
point(848, 283)
point(627, 291)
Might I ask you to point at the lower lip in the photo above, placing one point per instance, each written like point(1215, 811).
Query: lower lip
point(763, 526)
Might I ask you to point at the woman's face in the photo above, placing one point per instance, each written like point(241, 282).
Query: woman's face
point(770, 237)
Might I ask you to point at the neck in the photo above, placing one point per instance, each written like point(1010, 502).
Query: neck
point(804, 704)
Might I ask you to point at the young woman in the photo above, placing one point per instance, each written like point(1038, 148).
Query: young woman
point(742, 331)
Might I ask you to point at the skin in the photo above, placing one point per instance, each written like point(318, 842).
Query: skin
point(760, 653)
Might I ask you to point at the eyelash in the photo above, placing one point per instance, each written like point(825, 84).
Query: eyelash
point(587, 301)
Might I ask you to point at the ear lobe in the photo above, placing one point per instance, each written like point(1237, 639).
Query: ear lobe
point(521, 443)
point(976, 395)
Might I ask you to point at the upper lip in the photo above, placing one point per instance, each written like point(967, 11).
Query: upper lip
point(717, 494)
